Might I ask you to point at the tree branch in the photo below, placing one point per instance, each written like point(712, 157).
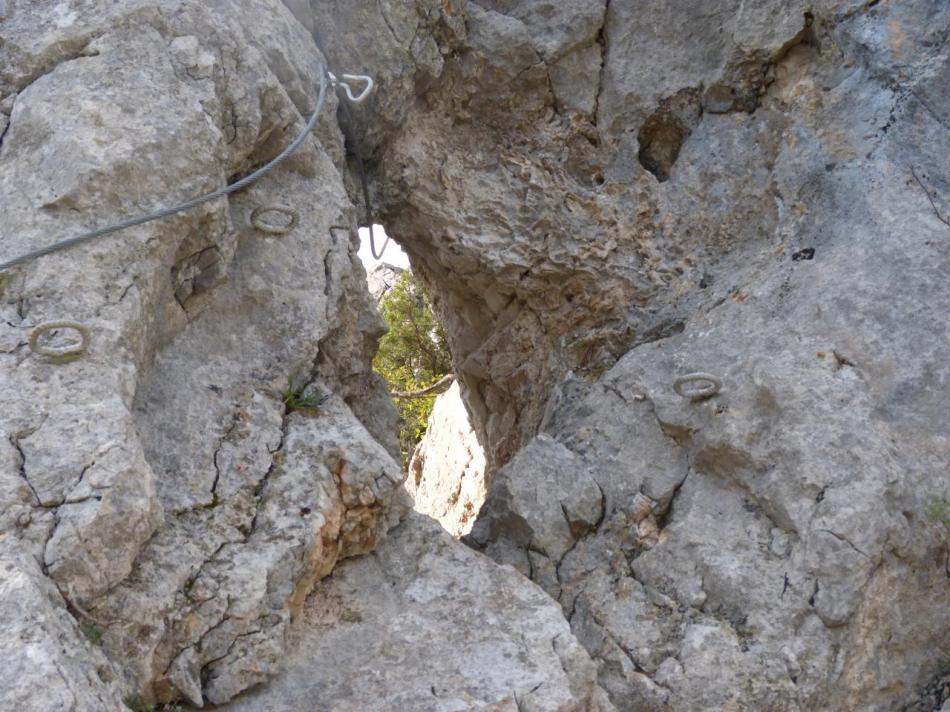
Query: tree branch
point(438, 387)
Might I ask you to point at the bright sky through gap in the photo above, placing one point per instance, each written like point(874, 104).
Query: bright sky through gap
point(393, 255)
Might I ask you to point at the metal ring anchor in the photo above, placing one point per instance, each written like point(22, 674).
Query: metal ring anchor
point(362, 96)
point(66, 351)
point(258, 221)
point(711, 386)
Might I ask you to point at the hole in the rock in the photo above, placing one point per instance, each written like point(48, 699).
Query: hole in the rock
point(393, 255)
point(663, 133)
point(413, 356)
point(660, 140)
point(438, 445)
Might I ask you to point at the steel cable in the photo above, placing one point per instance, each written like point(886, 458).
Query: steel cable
point(349, 132)
point(194, 202)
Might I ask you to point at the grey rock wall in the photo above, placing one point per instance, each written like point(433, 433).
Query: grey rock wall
point(381, 279)
point(602, 197)
point(447, 479)
point(160, 481)
point(471, 635)
point(168, 502)
point(606, 197)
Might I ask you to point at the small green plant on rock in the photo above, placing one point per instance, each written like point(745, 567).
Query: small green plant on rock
point(137, 704)
point(91, 631)
point(296, 399)
point(938, 511)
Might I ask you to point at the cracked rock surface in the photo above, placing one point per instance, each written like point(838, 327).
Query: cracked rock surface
point(605, 197)
point(170, 498)
point(160, 481)
point(602, 197)
point(54, 665)
point(471, 635)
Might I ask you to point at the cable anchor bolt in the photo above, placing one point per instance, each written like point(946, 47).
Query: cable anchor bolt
point(363, 78)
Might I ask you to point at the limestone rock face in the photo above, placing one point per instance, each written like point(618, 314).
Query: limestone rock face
point(161, 480)
point(603, 198)
point(606, 197)
point(447, 478)
point(424, 623)
point(52, 664)
point(382, 279)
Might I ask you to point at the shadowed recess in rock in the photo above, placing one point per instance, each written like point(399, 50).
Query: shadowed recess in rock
point(602, 200)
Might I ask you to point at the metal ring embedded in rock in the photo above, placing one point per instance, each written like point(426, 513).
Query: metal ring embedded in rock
point(66, 351)
point(259, 222)
point(187, 205)
point(709, 386)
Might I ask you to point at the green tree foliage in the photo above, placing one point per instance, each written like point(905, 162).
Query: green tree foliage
point(411, 356)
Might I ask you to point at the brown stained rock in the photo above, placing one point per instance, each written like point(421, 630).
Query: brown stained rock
point(427, 624)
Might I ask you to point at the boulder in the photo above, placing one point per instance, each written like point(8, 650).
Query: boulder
point(424, 623)
point(447, 479)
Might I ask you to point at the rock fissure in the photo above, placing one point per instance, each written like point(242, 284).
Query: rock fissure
point(21, 466)
point(66, 56)
point(4, 129)
point(598, 203)
point(235, 421)
point(602, 43)
point(262, 483)
point(230, 649)
point(930, 198)
point(844, 539)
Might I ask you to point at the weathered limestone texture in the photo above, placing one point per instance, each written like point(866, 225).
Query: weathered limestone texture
point(447, 477)
point(51, 664)
point(160, 481)
point(424, 623)
point(382, 279)
point(603, 197)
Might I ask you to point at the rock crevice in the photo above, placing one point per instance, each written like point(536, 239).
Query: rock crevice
point(601, 199)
